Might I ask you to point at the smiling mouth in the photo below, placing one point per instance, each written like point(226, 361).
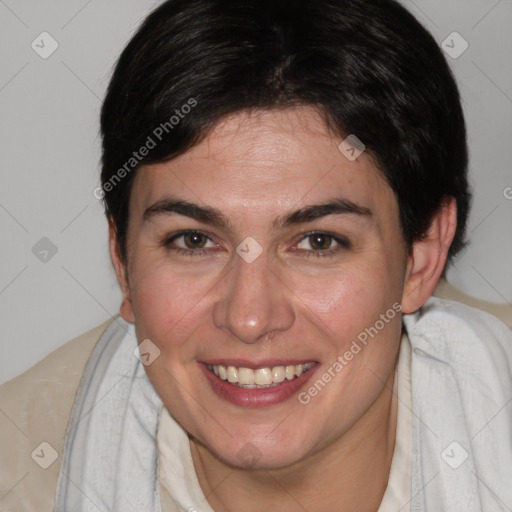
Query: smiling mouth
point(261, 377)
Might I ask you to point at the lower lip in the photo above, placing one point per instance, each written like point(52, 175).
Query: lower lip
point(256, 397)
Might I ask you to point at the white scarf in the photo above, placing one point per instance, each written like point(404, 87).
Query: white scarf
point(462, 426)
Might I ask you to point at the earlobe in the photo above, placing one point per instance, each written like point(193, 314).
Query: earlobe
point(428, 257)
point(126, 309)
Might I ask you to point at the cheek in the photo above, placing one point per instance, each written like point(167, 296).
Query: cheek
point(166, 305)
point(364, 322)
point(352, 299)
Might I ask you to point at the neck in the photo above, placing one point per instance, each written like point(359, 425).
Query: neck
point(349, 474)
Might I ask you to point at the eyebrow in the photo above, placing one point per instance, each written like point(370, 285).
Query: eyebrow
point(214, 217)
point(317, 211)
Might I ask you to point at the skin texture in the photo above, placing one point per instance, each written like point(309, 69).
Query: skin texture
point(335, 452)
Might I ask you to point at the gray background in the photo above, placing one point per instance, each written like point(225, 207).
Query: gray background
point(50, 151)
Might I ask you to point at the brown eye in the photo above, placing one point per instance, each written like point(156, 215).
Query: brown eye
point(190, 242)
point(317, 242)
point(320, 242)
point(194, 240)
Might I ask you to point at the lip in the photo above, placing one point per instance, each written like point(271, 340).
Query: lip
point(255, 397)
point(255, 365)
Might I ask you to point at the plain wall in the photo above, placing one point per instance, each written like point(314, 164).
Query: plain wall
point(50, 153)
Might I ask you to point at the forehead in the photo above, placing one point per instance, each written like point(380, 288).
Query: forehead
point(269, 159)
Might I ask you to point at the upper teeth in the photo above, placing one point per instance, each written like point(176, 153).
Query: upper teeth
point(260, 377)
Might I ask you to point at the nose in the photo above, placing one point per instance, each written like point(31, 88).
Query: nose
point(254, 303)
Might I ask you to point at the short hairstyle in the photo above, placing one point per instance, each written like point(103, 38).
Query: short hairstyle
point(368, 66)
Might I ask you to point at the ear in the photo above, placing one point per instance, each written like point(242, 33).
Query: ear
point(120, 267)
point(428, 257)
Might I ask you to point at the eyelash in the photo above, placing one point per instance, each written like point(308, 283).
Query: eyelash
point(342, 242)
point(166, 243)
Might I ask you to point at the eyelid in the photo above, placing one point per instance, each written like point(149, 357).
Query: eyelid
point(340, 239)
point(169, 245)
point(170, 238)
point(342, 242)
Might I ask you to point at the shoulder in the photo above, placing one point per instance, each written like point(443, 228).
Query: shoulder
point(502, 311)
point(461, 371)
point(474, 343)
point(34, 413)
point(475, 331)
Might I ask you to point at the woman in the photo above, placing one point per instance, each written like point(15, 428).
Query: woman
point(285, 183)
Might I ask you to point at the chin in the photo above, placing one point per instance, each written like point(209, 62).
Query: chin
point(261, 451)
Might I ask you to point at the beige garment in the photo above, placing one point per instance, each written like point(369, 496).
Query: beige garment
point(397, 497)
point(35, 407)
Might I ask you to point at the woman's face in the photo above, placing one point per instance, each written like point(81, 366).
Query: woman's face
point(261, 253)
